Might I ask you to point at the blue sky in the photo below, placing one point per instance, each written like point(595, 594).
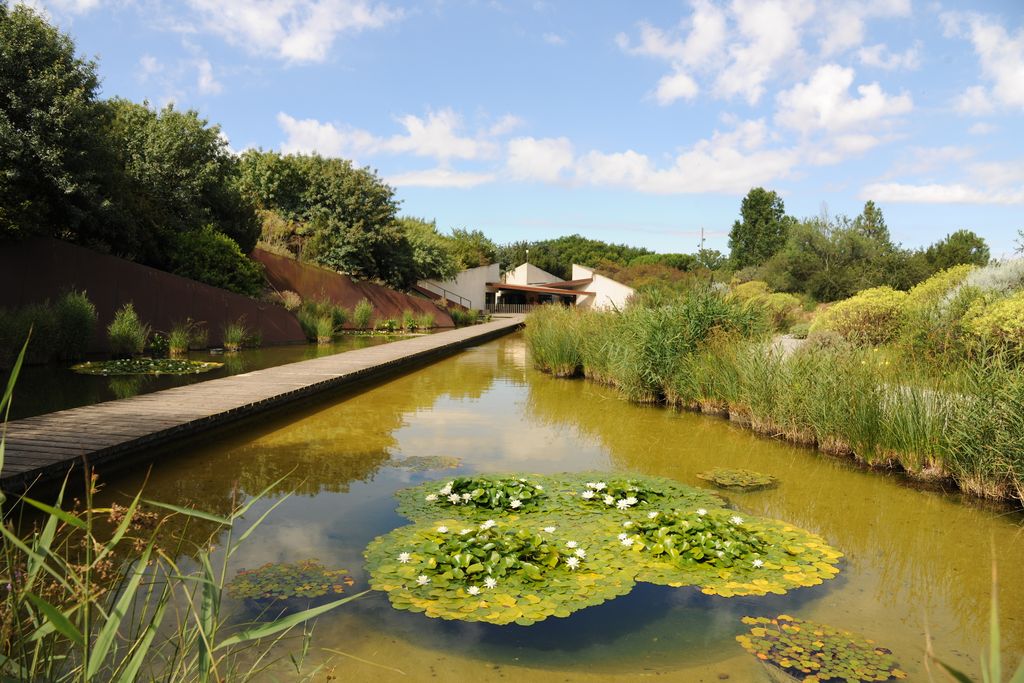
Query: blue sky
point(627, 122)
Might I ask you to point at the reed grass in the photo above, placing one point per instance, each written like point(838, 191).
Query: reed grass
point(235, 334)
point(127, 334)
point(425, 321)
point(362, 314)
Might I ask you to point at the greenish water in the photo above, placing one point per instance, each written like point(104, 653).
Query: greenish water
point(915, 561)
point(47, 388)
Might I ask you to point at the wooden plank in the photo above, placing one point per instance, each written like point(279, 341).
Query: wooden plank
point(45, 446)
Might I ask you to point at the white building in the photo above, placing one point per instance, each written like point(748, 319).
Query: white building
point(527, 286)
point(468, 288)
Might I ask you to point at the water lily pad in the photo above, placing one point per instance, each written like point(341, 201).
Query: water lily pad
point(500, 572)
point(739, 479)
point(426, 463)
point(815, 652)
point(284, 580)
point(145, 366)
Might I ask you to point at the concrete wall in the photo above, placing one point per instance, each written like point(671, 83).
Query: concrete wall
point(607, 292)
point(470, 284)
point(36, 270)
point(529, 274)
point(313, 282)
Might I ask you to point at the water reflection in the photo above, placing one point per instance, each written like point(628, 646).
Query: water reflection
point(910, 555)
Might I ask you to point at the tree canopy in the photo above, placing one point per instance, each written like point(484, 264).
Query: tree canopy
point(761, 230)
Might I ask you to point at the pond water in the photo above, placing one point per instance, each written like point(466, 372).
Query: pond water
point(915, 561)
point(47, 388)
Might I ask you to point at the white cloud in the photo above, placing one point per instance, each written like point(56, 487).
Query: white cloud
point(506, 124)
point(880, 57)
point(940, 194)
point(1001, 56)
point(440, 177)
point(553, 39)
point(982, 128)
point(926, 160)
point(539, 159)
point(436, 135)
point(824, 103)
point(206, 82)
point(676, 86)
point(148, 66)
point(62, 6)
point(974, 101)
point(843, 22)
point(294, 30)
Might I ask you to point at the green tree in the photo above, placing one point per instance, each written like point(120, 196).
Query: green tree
point(432, 254)
point(960, 247)
point(872, 223)
point(761, 230)
point(472, 248)
point(51, 123)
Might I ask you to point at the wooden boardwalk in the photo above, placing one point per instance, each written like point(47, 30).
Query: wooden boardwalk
point(43, 448)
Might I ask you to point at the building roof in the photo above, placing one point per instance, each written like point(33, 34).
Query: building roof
point(547, 289)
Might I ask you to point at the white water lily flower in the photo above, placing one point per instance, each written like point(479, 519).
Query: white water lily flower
point(463, 532)
point(490, 582)
point(600, 485)
point(571, 544)
point(539, 487)
point(652, 515)
point(622, 504)
point(608, 500)
point(442, 529)
point(404, 558)
point(522, 479)
point(488, 524)
point(720, 553)
point(549, 529)
point(473, 590)
point(626, 525)
point(757, 564)
point(572, 562)
point(701, 512)
point(580, 553)
point(447, 488)
point(627, 542)
point(515, 503)
point(431, 497)
point(422, 580)
point(623, 536)
point(632, 500)
point(736, 519)
point(588, 494)
point(454, 499)
point(466, 496)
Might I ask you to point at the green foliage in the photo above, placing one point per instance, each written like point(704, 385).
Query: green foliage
point(471, 248)
point(51, 128)
point(462, 317)
point(761, 230)
point(812, 651)
point(321, 320)
point(1001, 323)
point(738, 479)
point(126, 334)
point(557, 255)
point(146, 366)
point(290, 300)
point(184, 336)
point(15, 325)
point(76, 324)
point(958, 248)
point(362, 314)
point(307, 579)
point(236, 334)
point(567, 550)
point(425, 321)
point(386, 326)
point(426, 463)
point(408, 320)
point(433, 256)
point(780, 307)
point(212, 257)
point(873, 316)
point(553, 335)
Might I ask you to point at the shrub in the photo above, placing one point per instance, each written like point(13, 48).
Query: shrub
point(362, 314)
point(926, 296)
point(15, 325)
point(782, 309)
point(873, 316)
point(408, 320)
point(750, 290)
point(462, 316)
point(289, 299)
point(1001, 322)
point(387, 326)
point(159, 345)
point(214, 258)
point(76, 321)
point(800, 330)
point(235, 334)
point(126, 334)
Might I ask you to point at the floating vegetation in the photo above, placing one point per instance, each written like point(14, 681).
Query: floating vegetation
point(285, 580)
point(814, 652)
point(739, 479)
point(146, 366)
point(426, 463)
point(481, 558)
point(496, 572)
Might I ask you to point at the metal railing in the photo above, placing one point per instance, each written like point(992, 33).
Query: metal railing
point(445, 294)
point(512, 308)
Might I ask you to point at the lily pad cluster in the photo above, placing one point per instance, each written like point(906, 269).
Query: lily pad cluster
point(481, 558)
point(284, 580)
point(739, 479)
point(813, 652)
point(146, 366)
point(426, 463)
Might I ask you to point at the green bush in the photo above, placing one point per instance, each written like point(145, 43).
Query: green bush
point(782, 309)
point(463, 317)
point(362, 314)
point(76, 321)
point(15, 326)
point(1001, 322)
point(750, 290)
point(871, 317)
point(214, 258)
point(126, 334)
point(800, 330)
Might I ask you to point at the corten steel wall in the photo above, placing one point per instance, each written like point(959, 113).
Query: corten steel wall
point(36, 270)
point(313, 282)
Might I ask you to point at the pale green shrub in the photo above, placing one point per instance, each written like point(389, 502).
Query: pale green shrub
point(1001, 322)
point(873, 316)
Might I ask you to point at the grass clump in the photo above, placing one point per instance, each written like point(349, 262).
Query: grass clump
point(321, 320)
point(554, 337)
point(235, 335)
point(127, 334)
point(362, 314)
point(463, 317)
point(185, 336)
point(76, 322)
point(409, 320)
point(425, 321)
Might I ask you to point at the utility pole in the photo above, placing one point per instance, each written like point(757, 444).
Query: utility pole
point(701, 238)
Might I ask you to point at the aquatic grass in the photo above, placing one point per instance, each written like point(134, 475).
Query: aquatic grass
point(553, 334)
point(127, 334)
point(76, 325)
point(362, 314)
point(184, 336)
point(235, 334)
point(425, 321)
point(408, 320)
